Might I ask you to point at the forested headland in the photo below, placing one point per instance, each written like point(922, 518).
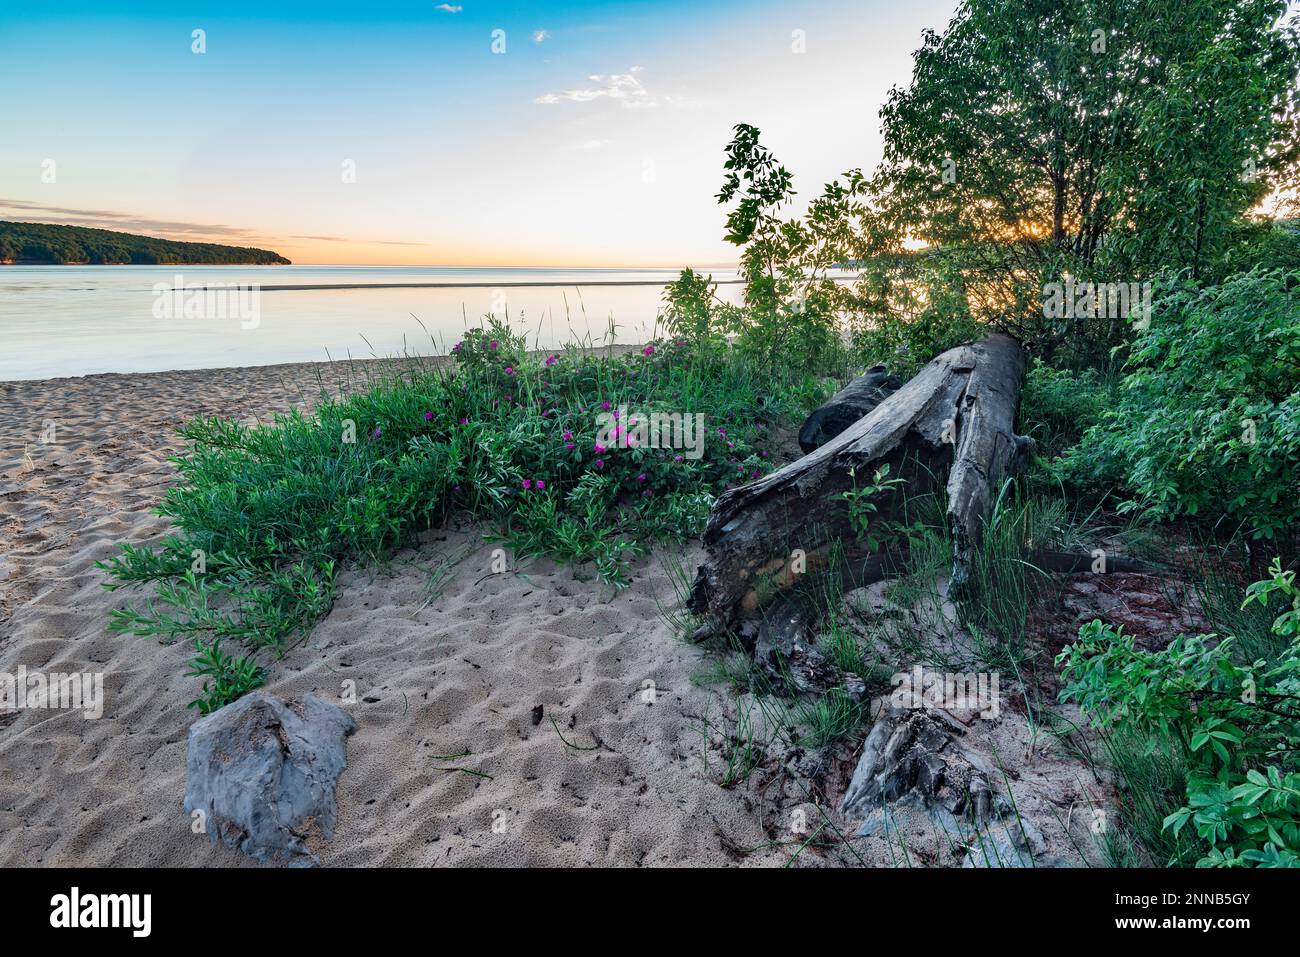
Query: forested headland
point(46, 244)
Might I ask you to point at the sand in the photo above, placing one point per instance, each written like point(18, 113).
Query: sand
point(443, 664)
point(435, 674)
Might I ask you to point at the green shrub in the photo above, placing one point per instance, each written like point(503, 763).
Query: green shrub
point(692, 310)
point(905, 344)
point(1237, 724)
point(1266, 245)
point(522, 443)
point(1208, 418)
point(1057, 406)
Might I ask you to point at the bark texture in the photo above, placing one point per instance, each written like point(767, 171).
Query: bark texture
point(847, 406)
point(950, 425)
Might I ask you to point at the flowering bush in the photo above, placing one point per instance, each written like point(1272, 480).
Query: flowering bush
point(511, 439)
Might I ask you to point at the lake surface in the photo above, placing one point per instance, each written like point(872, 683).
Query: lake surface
point(80, 320)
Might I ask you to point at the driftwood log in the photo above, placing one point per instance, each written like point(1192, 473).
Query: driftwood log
point(950, 426)
point(847, 406)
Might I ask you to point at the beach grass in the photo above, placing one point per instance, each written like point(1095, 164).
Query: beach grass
point(547, 451)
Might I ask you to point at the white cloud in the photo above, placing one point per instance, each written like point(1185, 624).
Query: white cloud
point(449, 8)
point(541, 35)
point(626, 88)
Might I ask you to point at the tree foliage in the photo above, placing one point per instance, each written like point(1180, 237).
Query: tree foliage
point(42, 243)
point(1096, 138)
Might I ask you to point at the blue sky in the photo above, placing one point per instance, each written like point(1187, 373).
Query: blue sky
point(593, 138)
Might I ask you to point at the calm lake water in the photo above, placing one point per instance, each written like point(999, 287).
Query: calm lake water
point(79, 320)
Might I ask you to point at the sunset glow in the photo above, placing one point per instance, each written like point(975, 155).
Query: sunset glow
point(333, 133)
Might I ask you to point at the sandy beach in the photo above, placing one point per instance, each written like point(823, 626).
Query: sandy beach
point(457, 673)
point(449, 664)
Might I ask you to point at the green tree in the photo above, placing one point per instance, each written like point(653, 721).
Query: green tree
point(1103, 139)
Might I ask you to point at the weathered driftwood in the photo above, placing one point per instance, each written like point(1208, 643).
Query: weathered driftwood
point(951, 423)
point(914, 758)
point(847, 406)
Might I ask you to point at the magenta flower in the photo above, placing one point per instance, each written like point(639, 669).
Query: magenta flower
point(492, 345)
point(600, 463)
point(605, 405)
point(550, 361)
point(528, 483)
point(541, 486)
point(464, 421)
point(598, 448)
point(568, 433)
point(648, 351)
point(569, 446)
point(678, 458)
point(428, 416)
point(377, 433)
point(641, 477)
point(456, 347)
point(615, 414)
point(510, 370)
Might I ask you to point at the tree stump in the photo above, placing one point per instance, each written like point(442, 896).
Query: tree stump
point(950, 428)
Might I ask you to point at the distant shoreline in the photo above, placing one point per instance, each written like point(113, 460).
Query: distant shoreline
point(85, 265)
point(300, 287)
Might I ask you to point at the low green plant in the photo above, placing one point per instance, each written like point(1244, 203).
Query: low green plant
point(826, 718)
point(225, 677)
point(1237, 724)
point(1057, 406)
point(863, 505)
